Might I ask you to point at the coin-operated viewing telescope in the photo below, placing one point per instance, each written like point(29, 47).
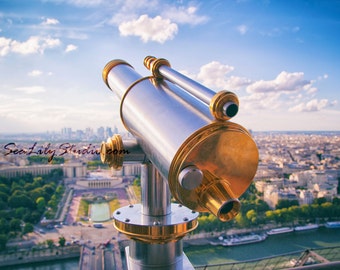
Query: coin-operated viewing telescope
point(188, 148)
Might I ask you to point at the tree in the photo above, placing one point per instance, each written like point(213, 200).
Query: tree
point(20, 212)
point(3, 196)
point(49, 188)
point(62, 241)
point(59, 191)
point(28, 228)
point(336, 201)
point(14, 224)
point(286, 203)
point(4, 192)
point(38, 192)
point(53, 203)
point(23, 200)
point(320, 201)
point(241, 221)
point(252, 216)
point(50, 243)
point(32, 217)
point(269, 216)
point(4, 226)
point(3, 242)
point(261, 206)
point(41, 204)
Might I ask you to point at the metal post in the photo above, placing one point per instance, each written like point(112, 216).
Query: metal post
point(156, 210)
point(155, 192)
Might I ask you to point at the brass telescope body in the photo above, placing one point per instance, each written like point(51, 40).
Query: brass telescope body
point(184, 130)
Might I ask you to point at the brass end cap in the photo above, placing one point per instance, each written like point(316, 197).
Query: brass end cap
point(224, 105)
point(110, 65)
point(153, 64)
point(112, 152)
point(228, 158)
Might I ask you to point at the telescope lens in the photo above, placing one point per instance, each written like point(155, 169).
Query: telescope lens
point(229, 210)
point(230, 109)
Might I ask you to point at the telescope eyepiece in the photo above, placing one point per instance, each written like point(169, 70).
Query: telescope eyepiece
point(230, 109)
point(224, 105)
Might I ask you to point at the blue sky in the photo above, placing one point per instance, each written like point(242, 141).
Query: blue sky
point(281, 58)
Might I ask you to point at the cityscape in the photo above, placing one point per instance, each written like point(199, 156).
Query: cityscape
point(169, 135)
point(297, 167)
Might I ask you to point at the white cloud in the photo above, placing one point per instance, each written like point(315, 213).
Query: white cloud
point(154, 29)
point(5, 46)
point(35, 73)
point(234, 82)
point(313, 105)
point(184, 15)
point(35, 44)
point(261, 101)
point(128, 10)
point(71, 48)
point(31, 89)
point(242, 29)
point(213, 74)
point(284, 82)
point(323, 77)
point(50, 21)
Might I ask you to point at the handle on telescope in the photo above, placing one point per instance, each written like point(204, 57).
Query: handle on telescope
point(223, 105)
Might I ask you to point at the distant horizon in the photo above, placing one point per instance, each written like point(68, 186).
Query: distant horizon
point(125, 131)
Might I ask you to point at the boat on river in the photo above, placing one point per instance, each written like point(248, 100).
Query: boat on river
point(306, 227)
point(332, 224)
point(280, 230)
point(236, 240)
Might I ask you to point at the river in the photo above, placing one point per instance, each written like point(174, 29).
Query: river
point(273, 245)
point(202, 255)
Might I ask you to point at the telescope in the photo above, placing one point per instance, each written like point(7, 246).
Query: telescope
point(189, 150)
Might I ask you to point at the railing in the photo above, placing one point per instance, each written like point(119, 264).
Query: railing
point(284, 261)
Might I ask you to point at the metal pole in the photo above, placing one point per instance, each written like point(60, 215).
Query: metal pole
point(155, 192)
point(155, 209)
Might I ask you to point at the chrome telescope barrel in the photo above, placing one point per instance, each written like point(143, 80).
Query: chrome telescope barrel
point(208, 162)
point(223, 105)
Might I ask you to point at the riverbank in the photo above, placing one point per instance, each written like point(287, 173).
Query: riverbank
point(200, 252)
point(22, 257)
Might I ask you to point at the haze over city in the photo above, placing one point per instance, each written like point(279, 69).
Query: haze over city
point(281, 60)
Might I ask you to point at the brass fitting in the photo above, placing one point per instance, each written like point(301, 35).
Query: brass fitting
point(153, 64)
point(224, 105)
point(112, 152)
point(155, 229)
point(110, 65)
